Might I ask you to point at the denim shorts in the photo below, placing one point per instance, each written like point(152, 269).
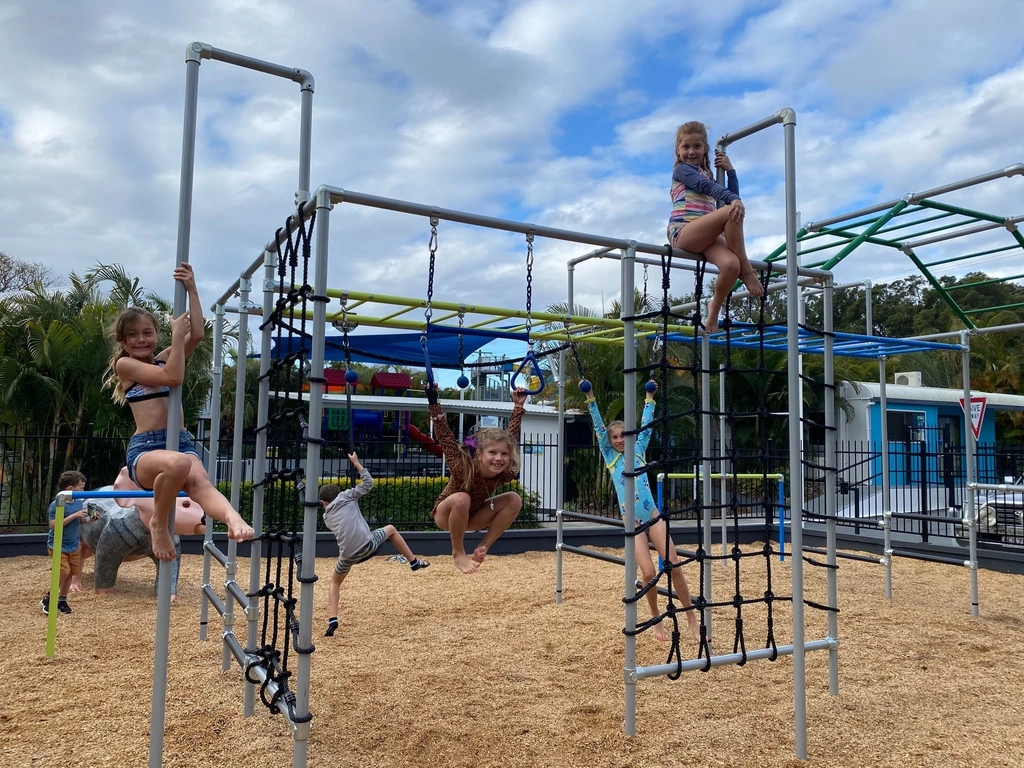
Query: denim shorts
point(156, 440)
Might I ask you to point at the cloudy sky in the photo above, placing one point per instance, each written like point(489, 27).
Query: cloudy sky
point(558, 112)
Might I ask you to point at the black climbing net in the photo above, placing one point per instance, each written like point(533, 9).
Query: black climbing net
point(284, 482)
point(678, 366)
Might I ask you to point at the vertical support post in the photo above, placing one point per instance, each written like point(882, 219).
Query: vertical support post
point(311, 506)
point(705, 472)
point(165, 568)
point(725, 467)
point(629, 464)
point(558, 555)
point(238, 427)
point(971, 459)
point(831, 461)
point(211, 464)
point(796, 491)
point(58, 542)
point(869, 321)
point(883, 410)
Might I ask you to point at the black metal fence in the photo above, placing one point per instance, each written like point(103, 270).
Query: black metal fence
point(927, 478)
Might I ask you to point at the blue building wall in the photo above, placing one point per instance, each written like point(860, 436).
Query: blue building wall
point(906, 468)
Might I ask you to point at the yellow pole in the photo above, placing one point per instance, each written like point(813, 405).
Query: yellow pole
point(58, 540)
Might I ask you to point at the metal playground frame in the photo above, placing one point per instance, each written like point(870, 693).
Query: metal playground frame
point(322, 201)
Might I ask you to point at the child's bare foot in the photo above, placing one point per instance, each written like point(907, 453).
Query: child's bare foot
point(693, 624)
point(238, 529)
point(163, 544)
point(465, 563)
point(659, 632)
point(711, 323)
point(76, 584)
point(752, 283)
point(480, 554)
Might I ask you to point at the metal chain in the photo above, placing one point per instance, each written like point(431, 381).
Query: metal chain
point(462, 319)
point(644, 305)
point(430, 275)
point(344, 332)
point(529, 283)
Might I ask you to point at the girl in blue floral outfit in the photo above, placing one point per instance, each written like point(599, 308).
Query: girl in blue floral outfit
point(612, 442)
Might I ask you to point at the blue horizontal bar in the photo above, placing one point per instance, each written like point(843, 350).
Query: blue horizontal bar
point(117, 494)
point(486, 333)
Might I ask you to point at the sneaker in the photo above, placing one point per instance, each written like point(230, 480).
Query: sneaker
point(419, 563)
point(62, 606)
point(332, 627)
point(45, 604)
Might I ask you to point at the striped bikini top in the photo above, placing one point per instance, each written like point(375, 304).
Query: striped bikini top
point(137, 392)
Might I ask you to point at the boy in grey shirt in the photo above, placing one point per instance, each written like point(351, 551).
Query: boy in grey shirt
point(356, 542)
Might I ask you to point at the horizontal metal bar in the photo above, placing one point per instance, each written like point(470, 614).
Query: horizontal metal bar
point(1012, 170)
point(911, 554)
point(236, 592)
point(217, 555)
point(783, 116)
point(1002, 487)
point(972, 332)
point(214, 599)
point(962, 233)
point(847, 555)
point(924, 518)
point(294, 74)
point(338, 195)
point(721, 476)
point(731, 658)
point(582, 516)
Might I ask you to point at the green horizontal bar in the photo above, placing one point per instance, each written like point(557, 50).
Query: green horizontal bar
point(968, 256)
point(944, 228)
point(994, 309)
point(923, 220)
point(978, 215)
point(990, 251)
point(941, 289)
point(993, 281)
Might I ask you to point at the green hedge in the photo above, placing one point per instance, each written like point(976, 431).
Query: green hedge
point(404, 502)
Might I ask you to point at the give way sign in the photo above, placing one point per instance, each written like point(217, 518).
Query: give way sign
point(977, 414)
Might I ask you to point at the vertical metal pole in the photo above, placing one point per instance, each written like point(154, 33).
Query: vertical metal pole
point(165, 569)
point(831, 510)
point(259, 469)
point(724, 467)
point(305, 140)
point(796, 491)
point(313, 466)
point(705, 473)
point(883, 410)
point(561, 463)
point(971, 458)
point(211, 468)
point(238, 427)
point(629, 459)
point(869, 322)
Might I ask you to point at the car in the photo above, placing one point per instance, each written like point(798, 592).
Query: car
point(1000, 516)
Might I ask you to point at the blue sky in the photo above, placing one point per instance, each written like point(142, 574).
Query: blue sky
point(558, 112)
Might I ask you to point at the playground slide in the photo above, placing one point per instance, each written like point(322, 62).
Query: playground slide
point(432, 445)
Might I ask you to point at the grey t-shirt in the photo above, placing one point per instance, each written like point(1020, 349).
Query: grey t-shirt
point(345, 519)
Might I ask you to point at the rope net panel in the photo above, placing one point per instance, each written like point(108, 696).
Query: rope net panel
point(284, 481)
point(678, 434)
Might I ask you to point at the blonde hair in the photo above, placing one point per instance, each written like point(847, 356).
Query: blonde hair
point(694, 128)
point(483, 438)
point(125, 320)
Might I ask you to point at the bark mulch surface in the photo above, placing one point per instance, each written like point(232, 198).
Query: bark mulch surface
point(439, 669)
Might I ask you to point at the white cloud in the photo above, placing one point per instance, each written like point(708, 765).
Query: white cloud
point(462, 105)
